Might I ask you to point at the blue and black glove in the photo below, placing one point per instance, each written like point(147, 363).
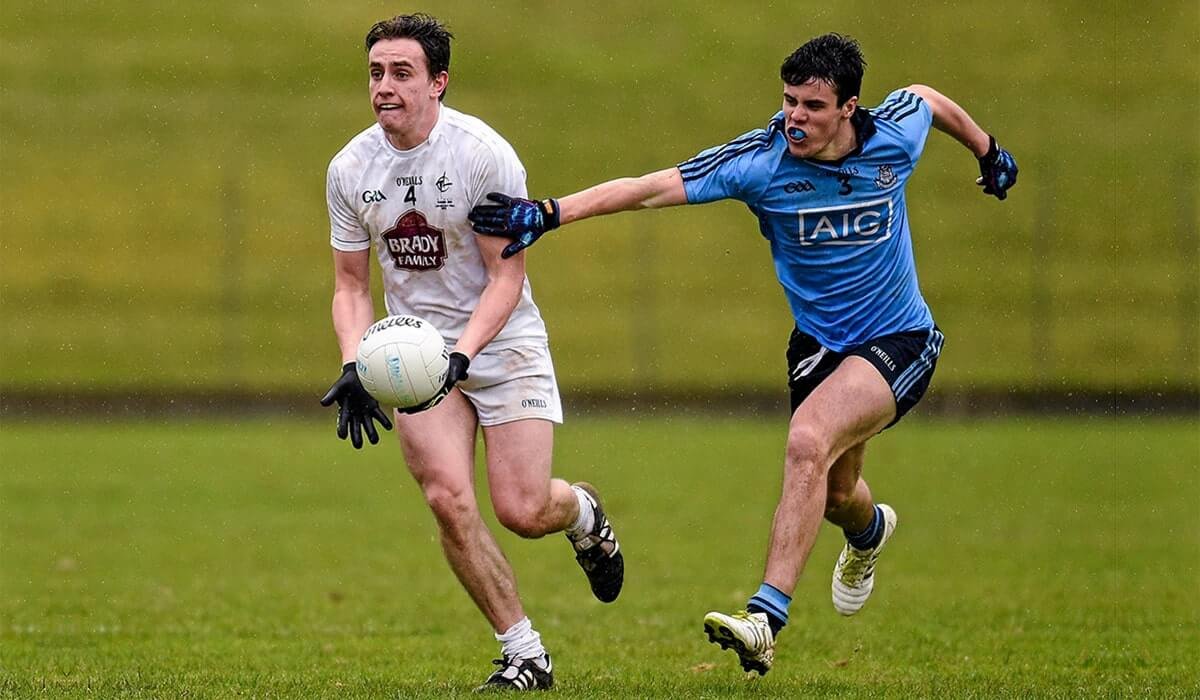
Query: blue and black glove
point(356, 408)
point(997, 170)
point(523, 220)
point(455, 373)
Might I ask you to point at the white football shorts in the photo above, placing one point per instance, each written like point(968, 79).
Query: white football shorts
point(510, 384)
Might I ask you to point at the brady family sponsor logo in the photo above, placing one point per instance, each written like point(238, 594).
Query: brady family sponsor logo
point(392, 322)
point(863, 223)
point(534, 403)
point(414, 244)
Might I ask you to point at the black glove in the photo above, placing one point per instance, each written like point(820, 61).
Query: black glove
point(356, 408)
point(997, 170)
point(523, 220)
point(455, 373)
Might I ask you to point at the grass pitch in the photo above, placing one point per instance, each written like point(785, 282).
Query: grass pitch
point(266, 559)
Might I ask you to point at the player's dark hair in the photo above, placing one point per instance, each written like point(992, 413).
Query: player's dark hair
point(427, 31)
point(833, 59)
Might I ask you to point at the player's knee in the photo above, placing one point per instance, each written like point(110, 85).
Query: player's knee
point(453, 507)
point(806, 450)
point(525, 517)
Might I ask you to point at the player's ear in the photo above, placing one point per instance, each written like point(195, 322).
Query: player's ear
point(440, 81)
point(849, 107)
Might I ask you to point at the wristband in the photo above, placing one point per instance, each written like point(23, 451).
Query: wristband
point(550, 213)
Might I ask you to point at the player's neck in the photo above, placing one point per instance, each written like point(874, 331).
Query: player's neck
point(419, 133)
point(841, 145)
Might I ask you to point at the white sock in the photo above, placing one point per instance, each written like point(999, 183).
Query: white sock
point(521, 641)
point(586, 520)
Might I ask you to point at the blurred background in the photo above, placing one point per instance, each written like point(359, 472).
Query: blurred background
point(164, 254)
point(163, 224)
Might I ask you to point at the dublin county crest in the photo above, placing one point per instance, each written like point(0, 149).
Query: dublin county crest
point(886, 178)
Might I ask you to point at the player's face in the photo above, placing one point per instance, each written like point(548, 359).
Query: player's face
point(403, 95)
point(814, 125)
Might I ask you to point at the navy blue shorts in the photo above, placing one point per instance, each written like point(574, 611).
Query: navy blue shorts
point(905, 360)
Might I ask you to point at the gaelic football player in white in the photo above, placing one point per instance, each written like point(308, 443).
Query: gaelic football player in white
point(405, 186)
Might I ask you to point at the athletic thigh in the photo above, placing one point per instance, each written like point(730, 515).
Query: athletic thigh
point(513, 384)
point(439, 444)
point(518, 460)
point(906, 361)
point(848, 407)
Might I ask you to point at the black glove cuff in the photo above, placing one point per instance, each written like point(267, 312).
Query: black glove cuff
point(992, 152)
point(550, 211)
point(463, 364)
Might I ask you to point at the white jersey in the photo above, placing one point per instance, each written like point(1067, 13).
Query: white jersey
point(413, 205)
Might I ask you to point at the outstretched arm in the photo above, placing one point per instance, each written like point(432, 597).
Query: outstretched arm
point(997, 169)
point(525, 220)
point(663, 188)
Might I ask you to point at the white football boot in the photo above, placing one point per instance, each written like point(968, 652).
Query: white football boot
point(854, 574)
point(749, 634)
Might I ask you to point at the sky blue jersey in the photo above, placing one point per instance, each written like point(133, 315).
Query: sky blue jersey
point(838, 230)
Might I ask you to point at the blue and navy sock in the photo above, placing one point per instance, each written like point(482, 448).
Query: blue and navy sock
point(774, 603)
point(869, 538)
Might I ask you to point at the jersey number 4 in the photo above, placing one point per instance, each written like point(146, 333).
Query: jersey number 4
point(410, 197)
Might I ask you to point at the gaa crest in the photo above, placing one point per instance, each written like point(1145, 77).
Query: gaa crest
point(414, 244)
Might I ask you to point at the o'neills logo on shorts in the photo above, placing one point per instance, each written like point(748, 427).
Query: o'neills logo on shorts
point(414, 244)
point(534, 403)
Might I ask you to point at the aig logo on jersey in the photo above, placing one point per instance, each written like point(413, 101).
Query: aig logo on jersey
point(863, 223)
point(414, 244)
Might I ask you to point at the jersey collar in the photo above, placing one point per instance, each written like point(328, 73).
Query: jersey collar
point(434, 133)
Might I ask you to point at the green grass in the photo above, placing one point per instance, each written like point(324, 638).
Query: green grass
point(265, 559)
point(162, 221)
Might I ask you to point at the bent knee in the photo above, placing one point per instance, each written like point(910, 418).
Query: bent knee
point(523, 517)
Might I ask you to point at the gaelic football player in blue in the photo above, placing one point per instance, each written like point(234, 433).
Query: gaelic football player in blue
point(826, 180)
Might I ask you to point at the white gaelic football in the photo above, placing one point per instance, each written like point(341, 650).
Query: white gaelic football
point(402, 361)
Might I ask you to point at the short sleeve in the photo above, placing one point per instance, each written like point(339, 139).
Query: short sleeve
point(493, 166)
point(346, 232)
point(728, 171)
point(909, 117)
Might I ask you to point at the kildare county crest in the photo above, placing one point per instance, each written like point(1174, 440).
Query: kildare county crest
point(414, 244)
point(886, 178)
